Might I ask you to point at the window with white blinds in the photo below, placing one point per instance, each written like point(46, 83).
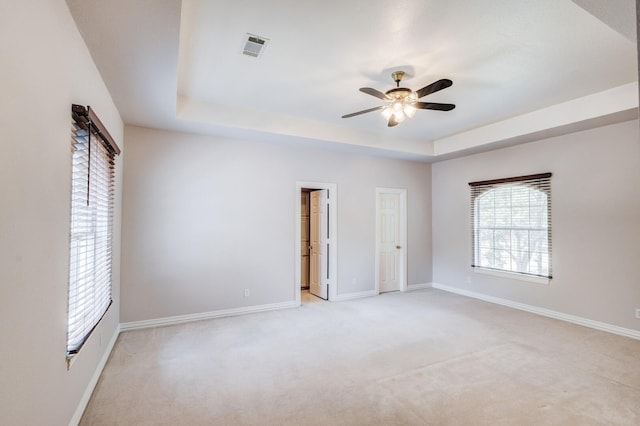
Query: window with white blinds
point(93, 155)
point(511, 225)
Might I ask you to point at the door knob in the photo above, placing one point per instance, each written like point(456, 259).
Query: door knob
point(398, 247)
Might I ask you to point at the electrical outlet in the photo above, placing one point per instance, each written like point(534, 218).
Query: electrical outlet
point(638, 313)
point(468, 279)
point(246, 292)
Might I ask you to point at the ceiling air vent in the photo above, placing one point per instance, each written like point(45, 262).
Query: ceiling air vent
point(254, 45)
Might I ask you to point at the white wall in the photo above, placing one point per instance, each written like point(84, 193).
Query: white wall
point(595, 219)
point(204, 218)
point(45, 68)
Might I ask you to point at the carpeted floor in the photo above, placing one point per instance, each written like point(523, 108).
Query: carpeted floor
point(421, 358)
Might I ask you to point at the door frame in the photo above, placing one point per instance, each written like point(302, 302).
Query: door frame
point(333, 237)
point(403, 236)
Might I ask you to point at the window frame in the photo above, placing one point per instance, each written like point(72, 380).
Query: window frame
point(91, 226)
point(540, 182)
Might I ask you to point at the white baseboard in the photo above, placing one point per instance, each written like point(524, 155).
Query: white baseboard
point(369, 293)
point(412, 287)
point(82, 405)
point(602, 326)
point(358, 295)
point(179, 319)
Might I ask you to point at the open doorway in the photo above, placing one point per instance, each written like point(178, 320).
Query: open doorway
point(316, 242)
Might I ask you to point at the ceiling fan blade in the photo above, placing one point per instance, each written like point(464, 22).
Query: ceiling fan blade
point(433, 105)
point(353, 114)
point(433, 87)
point(373, 92)
point(392, 121)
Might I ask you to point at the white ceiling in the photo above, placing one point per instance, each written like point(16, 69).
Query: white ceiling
point(521, 69)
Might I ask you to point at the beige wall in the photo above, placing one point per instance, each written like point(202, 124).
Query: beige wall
point(205, 218)
point(596, 223)
point(45, 68)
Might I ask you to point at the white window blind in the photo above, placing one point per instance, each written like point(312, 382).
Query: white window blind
point(511, 224)
point(93, 154)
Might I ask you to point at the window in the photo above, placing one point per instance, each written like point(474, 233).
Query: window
point(93, 155)
point(511, 225)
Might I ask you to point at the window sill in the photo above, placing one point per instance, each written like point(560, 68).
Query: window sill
point(70, 360)
point(512, 275)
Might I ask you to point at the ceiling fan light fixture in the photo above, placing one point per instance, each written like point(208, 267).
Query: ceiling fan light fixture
point(394, 110)
point(409, 110)
point(409, 104)
point(401, 104)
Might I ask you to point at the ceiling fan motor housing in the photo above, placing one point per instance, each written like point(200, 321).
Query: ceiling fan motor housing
point(398, 93)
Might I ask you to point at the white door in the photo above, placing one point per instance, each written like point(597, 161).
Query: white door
point(319, 255)
point(389, 242)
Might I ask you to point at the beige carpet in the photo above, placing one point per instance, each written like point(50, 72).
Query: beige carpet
point(421, 358)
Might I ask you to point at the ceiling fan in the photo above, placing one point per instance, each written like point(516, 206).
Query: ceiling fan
point(402, 102)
